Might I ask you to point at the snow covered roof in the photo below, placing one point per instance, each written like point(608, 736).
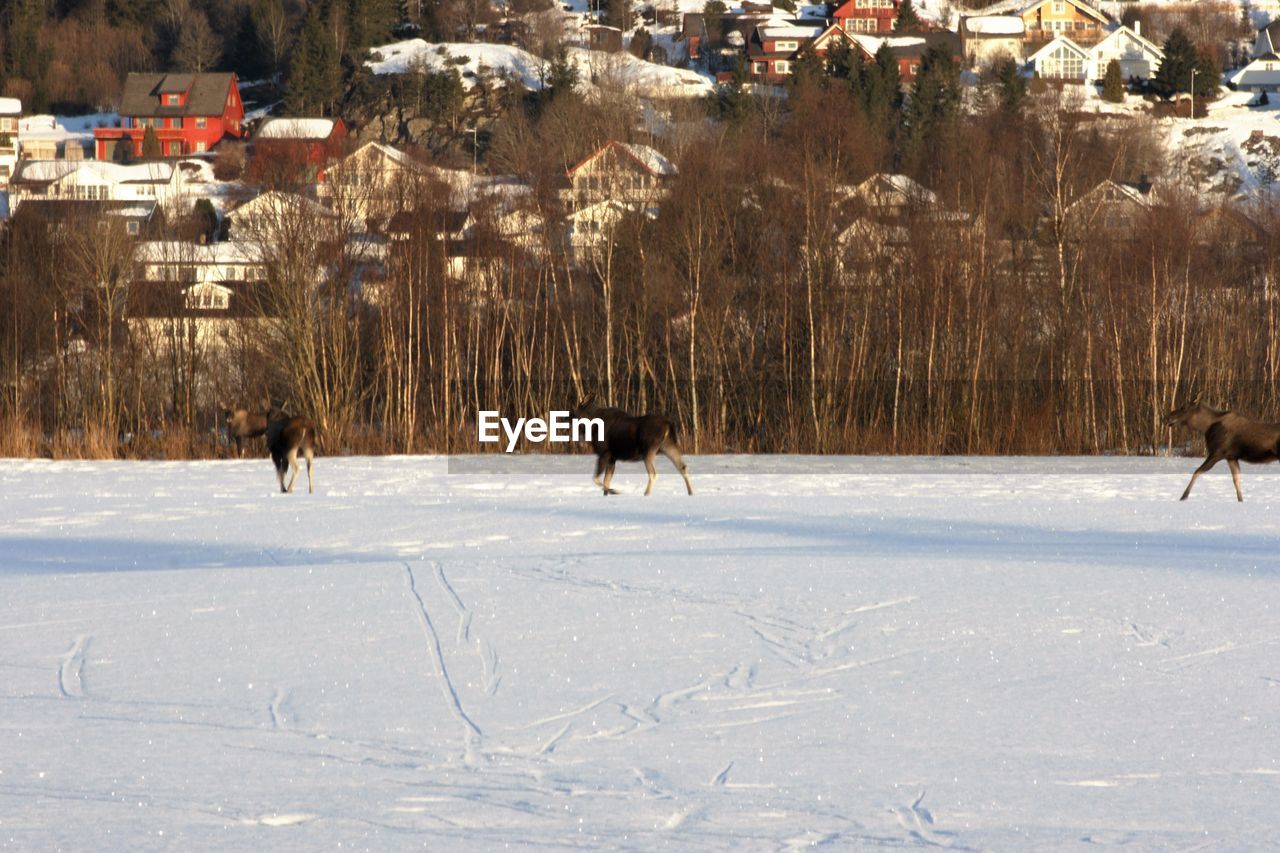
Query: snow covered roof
point(181, 252)
point(296, 128)
point(650, 158)
point(1022, 7)
point(276, 202)
point(47, 171)
point(789, 32)
point(10, 106)
point(995, 25)
point(885, 188)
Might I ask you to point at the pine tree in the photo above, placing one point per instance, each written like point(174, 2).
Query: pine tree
point(151, 144)
point(1113, 83)
point(908, 20)
point(808, 69)
point(845, 64)
point(371, 22)
point(1174, 73)
point(1208, 76)
point(1011, 86)
point(882, 86)
point(315, 77)
point(934, 103)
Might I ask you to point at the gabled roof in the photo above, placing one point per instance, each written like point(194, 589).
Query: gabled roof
point(1058, 41)
point(1023, 7)
point(62, 210)
point(645, 157)
point(378, 149)
point(204, 254)
point(883, 189)
point(275, 201)
point(207, 94)
point(1126, 34)
point(10, 106)
point(1134, 192)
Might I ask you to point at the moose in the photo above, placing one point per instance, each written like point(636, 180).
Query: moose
point(243, 424)
point(286, 437)
point(631, 438)
point(1228, 436)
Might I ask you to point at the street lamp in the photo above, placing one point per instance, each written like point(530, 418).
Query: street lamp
point(475, 145)
point(1193, 91)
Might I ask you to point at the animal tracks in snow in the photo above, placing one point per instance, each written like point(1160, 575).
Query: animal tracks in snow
point(71, 669)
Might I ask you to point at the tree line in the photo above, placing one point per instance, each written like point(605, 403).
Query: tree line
point(757, 305)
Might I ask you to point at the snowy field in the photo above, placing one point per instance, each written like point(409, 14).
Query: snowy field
point(973, 653)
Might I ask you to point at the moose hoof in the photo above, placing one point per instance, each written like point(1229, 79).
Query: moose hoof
point(608, 492)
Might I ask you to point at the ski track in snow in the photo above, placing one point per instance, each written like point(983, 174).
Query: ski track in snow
point(71, 669)
point(1056, 651)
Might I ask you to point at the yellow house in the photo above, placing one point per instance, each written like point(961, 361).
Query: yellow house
point(1045, 20)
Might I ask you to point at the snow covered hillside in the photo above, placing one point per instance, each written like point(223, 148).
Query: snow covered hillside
point(619, 69)
point(974, 653)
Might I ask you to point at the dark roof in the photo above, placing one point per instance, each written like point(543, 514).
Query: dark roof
point(207, 94)
point(47, 210)
point(948, 40)
point(444, 221)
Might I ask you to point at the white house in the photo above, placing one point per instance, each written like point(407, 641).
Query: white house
point(264, 214)
point(1138, 57)
point(1061, 59)
point(1262, 74)
point(10, 117)
point(985, 39)
point(95, 180)
point(198, 263)
point(374, 182)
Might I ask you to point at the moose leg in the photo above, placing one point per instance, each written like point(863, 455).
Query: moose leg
point(1234, 465)
point(608, 476)
point(1204, 466)
point(310, 486)
point(293, 465)
point(672, 452)
point(653, 472)
point(599, 472)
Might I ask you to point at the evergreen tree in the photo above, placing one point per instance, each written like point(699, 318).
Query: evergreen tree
point(808, 69)
point(1174, 73)
point(908, 20)
point(1011, 86)
point(1113, 83)
point(1208, 76)
point(934, 103)
point(24, 58)
point(882, 84)
point(845, 64)
point(150, 144)
point(315, 76)
point(371, 23)
point(731, 103)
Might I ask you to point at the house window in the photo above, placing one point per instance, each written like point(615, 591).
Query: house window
point(175, 148)
point(171, 100)
point(200, 121)
point(202, 145)
point(759, 67)
point(132, 227)
point(782, 67)
point(1059, 7)
point(785, 45)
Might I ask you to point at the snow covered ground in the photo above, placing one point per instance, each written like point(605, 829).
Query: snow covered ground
point(973, 653)
point(620, 70)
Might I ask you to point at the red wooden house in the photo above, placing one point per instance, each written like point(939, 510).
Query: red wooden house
point(867, 16)
point(298, 147)
point(189, 113)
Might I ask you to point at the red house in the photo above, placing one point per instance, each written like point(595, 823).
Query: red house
point(189, 112)
point(867, 16)
point(297, 148)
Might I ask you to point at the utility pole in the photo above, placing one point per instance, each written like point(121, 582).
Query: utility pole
point(1193, 91)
